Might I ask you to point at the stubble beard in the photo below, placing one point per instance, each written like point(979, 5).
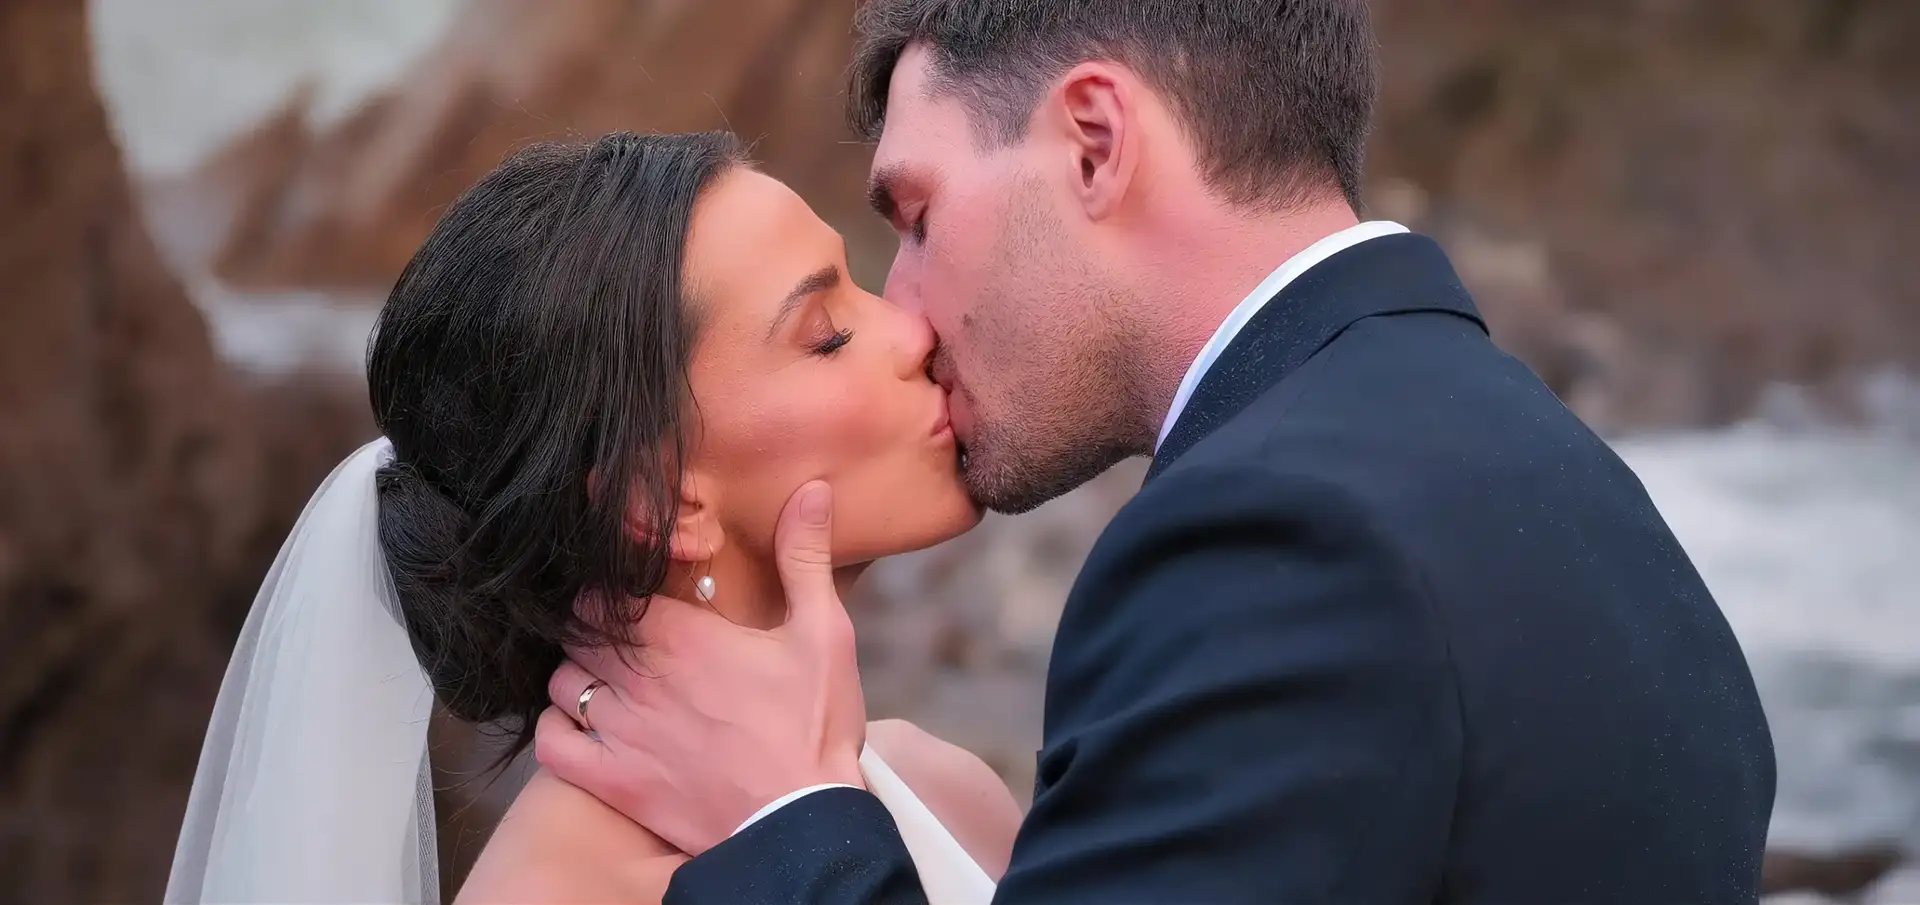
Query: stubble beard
point(1068, 407)
point(1007, 472)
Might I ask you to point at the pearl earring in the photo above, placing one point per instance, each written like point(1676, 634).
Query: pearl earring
point(703, 587)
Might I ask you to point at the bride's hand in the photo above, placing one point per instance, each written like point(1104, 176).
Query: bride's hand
point(725, 719)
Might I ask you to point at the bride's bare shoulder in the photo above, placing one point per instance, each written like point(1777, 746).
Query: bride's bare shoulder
point(559, 844)
point(967, 797)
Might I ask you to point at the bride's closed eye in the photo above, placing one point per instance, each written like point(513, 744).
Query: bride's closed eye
point(832, 343)
point(817, 331)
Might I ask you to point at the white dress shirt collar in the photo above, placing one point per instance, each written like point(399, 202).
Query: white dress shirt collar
point(1236, 321)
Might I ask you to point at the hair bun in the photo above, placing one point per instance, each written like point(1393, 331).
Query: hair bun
point(423, 530)
point(426, 537)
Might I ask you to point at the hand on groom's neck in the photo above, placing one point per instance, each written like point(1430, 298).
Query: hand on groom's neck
point(720, 719)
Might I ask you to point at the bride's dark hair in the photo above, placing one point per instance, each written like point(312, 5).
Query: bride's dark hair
point(537, 344)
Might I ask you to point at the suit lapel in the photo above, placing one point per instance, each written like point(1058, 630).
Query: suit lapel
point(1396, 274)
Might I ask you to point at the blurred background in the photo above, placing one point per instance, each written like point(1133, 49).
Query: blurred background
point(1694, 218)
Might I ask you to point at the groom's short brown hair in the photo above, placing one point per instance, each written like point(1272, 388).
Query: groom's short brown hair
point(1277, 94)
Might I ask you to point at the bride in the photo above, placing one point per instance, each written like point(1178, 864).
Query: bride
point(601, 378)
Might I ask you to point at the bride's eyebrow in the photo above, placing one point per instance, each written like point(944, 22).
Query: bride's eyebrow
point(821, 280)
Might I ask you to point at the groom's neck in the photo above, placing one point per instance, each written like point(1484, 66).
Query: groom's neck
point(1207, 261)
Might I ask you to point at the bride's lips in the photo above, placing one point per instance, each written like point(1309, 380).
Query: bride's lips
point(943, 420)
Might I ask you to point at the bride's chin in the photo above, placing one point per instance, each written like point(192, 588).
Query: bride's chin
point(966, 515)
point(949, 520)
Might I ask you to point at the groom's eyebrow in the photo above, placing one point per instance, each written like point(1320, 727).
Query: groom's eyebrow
point(821, 280)
point(880, 191)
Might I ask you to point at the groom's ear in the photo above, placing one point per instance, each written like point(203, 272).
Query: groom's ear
point(1097, 103)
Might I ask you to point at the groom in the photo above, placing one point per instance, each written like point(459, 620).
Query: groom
point(1386, 623)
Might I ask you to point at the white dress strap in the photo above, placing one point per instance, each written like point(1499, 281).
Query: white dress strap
point(948, 874)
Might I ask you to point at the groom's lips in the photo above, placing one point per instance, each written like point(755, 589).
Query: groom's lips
point(953, 408)
point(959, 416)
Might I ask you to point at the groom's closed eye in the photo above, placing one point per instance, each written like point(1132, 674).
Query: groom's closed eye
point(883, 195)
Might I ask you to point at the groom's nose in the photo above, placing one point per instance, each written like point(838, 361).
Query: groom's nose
point(913, 340)
point(902, 288)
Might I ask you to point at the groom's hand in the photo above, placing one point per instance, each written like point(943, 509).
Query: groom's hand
point(719, 720)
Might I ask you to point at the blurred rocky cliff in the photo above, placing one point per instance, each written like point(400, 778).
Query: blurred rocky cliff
point(1712, 191)
point(142, 491)
point(1662, 204)
point(344, 208)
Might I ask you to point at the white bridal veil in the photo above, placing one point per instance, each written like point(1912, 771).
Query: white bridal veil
point(313, 783)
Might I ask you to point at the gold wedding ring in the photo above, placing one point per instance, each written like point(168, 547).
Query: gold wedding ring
point(586, 697)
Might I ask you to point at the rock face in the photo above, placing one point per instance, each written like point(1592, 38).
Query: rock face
point(1721, 182)
point(127, 491)
point(136, 495)
point(1664, 205)
point(347, 208)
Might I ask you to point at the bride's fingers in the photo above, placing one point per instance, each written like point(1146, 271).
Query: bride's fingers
point(560, 745)
point(608, 663)
point(589, 765)
point(556, 725)
point(566, 686)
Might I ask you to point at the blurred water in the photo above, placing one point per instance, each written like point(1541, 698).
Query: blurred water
point(1811, 543)
point(1809, 535)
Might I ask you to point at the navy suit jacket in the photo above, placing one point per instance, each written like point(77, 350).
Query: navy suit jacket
point(1386, 624)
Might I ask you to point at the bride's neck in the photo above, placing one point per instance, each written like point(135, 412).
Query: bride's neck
point(746, 590)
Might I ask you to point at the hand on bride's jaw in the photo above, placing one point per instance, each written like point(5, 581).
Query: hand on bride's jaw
point(713, 720)
point(767, 712)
